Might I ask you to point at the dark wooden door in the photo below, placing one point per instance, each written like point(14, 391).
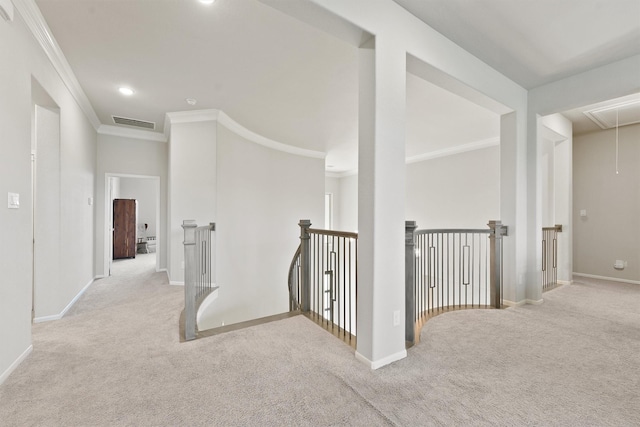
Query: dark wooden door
point(124, 228)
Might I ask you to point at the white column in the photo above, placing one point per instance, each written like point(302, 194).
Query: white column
point(381, 204)
point(513, 205)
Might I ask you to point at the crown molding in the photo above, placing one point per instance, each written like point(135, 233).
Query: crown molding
point(478, 145)
point(222, 118)
point(42, 33)
point(236, 127)
point(192, 116)
point(485, 143)
point(6, 10)
point(132, 133)
point(341, 174)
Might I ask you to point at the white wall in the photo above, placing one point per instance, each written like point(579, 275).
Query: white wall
point(611, 229)
point(23, 58)
point(128, 156)
point(457, 191)
point(262, 195)
point(460, 191)
point(192, 184)
point(332, 186)
point(345, 201)
point(347, 205)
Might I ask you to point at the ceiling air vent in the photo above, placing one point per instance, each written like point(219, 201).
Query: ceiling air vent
point(134, 123)
point(627, 113)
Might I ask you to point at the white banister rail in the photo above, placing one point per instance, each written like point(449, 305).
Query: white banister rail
point(198, 272)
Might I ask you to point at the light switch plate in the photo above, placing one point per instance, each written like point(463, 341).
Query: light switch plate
point(13, 200)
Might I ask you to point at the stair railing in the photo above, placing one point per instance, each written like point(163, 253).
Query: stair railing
point(323, 279)
point(198, 272)
point(550, 257)
point(295, 282)
point(450, 269)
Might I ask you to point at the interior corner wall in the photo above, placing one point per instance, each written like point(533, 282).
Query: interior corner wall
point(611, 228)
point(129, 156)
point(347, 204)
point(262, 196)
point(23, 59)
point(555, 162)
point(192, 185)
point(457, 191)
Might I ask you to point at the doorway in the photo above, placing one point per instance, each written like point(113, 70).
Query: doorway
point(45, 202)
point(146, 190)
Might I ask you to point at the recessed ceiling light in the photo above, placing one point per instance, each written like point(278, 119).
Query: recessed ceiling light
point(206, 1)
point(126, 91)
point(191, 101)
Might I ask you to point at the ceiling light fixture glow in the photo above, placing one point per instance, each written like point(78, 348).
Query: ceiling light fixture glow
point(206, 1)
point(126, 91)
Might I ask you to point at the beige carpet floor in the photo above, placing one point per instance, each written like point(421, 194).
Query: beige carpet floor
point(116, 360)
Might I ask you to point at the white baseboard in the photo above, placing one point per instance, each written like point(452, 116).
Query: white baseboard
point(612, 279)
point(173, 282)
point(15, 364)
point(381, 362)
point(564, 282)
point(100, 276)
point(66, 309)
point(521, 302)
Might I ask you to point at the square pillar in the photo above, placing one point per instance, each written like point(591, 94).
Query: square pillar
point(381, 203)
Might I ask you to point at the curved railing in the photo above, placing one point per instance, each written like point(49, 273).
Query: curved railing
point(294, 281)
point(198, 273)
point(451, 269)
point(323, 279)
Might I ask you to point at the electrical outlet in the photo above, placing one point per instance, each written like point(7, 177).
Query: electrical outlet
point(396, 318)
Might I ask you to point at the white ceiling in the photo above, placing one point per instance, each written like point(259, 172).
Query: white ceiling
point(535, 42)
point(295, 84)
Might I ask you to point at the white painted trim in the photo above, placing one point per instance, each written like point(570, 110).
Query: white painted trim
point(247, 134)
point(42, 33)
point(176, 283)
point(132, 133)
point(343, 174)
point(381, 362)
point(193, 116)
point(612, 279)
point(15, 364)
point(564, 282)
point(222, 118)
point(477, 145)
point(522, 302)
point(98, 277)
point(66, 309)
point(6, 12)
